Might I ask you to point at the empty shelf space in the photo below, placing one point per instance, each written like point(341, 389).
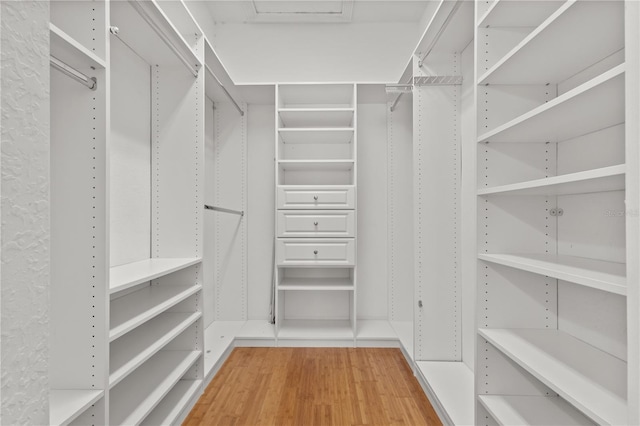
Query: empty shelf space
point(375, 330)
point(605, 276)
point(316, 117)
point(506, 13)
point(591, 380)
point(71, 52)
point(599, 180)
point(451, 384)
point(315, 330)
point(170, 408)
point(132, 274)
point(532, 410)
point(66, 405)
point(309, 165)
point(592, 106)
point(134, 348)
point(551, 54)
point(316, 95)
point(317, 135)
point(316, 284)
point(256, 330)
point(404, 331)
point(134, 398)
point(218, 340)
point(135, 309)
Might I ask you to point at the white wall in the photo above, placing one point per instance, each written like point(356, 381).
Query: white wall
point(263, 53)
point(25, 233)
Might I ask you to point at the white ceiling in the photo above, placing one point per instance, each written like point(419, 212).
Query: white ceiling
point(316, 11)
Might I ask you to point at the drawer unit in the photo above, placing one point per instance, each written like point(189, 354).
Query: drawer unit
point(316, 197)
point(316, 223)
point(315, 252)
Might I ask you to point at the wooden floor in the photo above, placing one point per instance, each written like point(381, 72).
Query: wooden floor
point(313, 386)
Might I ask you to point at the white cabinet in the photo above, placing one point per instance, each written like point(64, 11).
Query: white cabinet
point(315, 245)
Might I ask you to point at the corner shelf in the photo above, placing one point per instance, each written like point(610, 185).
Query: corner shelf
point(137, 308)
point(133, 349)
point(171, 406)
point(310, 284)
point(131, 274)
point(605, 276)
point(551, 54)
point(316, 117)
point(317, 135)
point(532, 410)
point(315, 330)
point(597, 180)
point(70, 51)
point(137, 396)
point(66, 405)
point(592, 106)
point(581, 374)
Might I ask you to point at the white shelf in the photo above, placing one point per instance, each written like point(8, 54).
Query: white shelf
point(450, 383)
point(457, 34)
point(309, 165)
point(315, 330)
point(598, 180)
point(134, 398)
point(551, 53)
point(404, 331)
point(135, 309)
point(594, 105)
point(170, 408)
point(317, 135)
point(316, 117)
point(507, 13)
point(605, 276)
point(132, 274)
point(591, 380)
point(332, 284)
point(375, 330)
point(316, 95)
point(218, 339)
point(139, 23)
point(134, 348)
point(66, 405)
point(256, 330)
point(532, 410)
point(71, 52)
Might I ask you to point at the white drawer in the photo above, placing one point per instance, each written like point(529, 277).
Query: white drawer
point(316, 197)
point(316, 223)
point(314, 252)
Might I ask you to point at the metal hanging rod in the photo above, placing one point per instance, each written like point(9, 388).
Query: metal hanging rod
point(143, 13)
point(395, 102)
point(438, 80)
point(90, 82)
point(441, 30)
point(224, 89)
point(222, 209)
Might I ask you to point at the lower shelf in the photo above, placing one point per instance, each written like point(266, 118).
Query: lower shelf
point(532, 410)
point(169, 410)
point(315, 330)
point(449, 387)
point(135, 397)
point(67, 405)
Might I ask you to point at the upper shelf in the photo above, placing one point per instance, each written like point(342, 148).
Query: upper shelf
point(316, 96)
point(594, 105)
point(591, 380)
point(132, 274)
point(71, 52)
point(317, 135)
point(148, 31)
point(316, 117)
point(532, 410)
point(551, 54)
point(508, 13)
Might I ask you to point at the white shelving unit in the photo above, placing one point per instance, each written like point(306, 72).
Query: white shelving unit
point(316, 162)
point(130, 275)
point(552, 179)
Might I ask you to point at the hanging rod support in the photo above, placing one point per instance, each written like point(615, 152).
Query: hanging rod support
point(90, 82)
point(223, 210)
point(441, 30)
point(395, 102)
point(224, 89)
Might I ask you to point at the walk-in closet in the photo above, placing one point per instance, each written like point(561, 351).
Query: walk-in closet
point(457, 181)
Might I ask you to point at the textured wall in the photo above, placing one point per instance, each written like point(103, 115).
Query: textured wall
point(24, 211)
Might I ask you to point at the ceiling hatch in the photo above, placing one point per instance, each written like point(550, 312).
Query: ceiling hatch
point(299, 11)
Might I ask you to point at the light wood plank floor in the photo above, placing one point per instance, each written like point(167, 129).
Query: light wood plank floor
point(313, 386)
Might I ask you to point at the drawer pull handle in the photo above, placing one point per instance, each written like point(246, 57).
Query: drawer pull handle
point(315, 223)
point(315, 252)
point(315, 197)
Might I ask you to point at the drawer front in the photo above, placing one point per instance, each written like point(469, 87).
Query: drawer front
point(290, 197)
point(299, 252)
point(316, 223)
